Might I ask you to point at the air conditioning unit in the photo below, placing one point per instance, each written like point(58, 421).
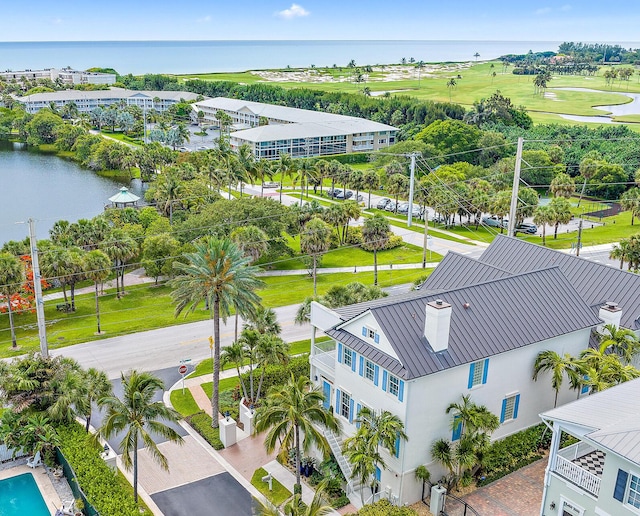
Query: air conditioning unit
point(438, 497)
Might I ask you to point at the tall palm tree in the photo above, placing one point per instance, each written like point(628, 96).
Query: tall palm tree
point(620, 251)
point(542, 216)
point(264, 321)
point(96, 387)
point(137, 414)
point(621, 341)
point(559, 366)
point(377, 429)
point(285, 168)
point(375, 236)
point(120, 248)
point(11, 278)
point(370, 181)
point(235, 354)
point(219, 274)
point(363, 462)
point(269, 351)
point(97, 267)
point(291, 415)
point(315, 241)
point(630, 201)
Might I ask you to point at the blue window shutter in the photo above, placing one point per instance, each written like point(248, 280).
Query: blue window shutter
point(358, 407)
point(361, 371)
point(376, 375)
point(515, 406)
point(401, 391)
point(364, 331)
point(340, 352)
point(376, 338)
point(457, 430)
point(378, 474)
point(621, 485)
point(384, 380)
point(585, 388)
point(337, 401)
point(354, 355)
point(351, 410)
point(485, 371)
point(397, 446)
point(504, 410)
point(472, 369)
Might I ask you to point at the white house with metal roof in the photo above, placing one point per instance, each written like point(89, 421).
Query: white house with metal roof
point(87, 101)
point(478, 333)
point(600, 473)
point(271, 130)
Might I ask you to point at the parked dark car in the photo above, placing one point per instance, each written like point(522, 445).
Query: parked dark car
point(347, 194)
point(527, 227)
point(335, 192)
point(391, 206)
point(382, 203)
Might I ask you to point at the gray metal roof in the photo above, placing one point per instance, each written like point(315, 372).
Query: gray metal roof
point(595, 282)
point(487, 319)
point(457, 270)
point(612, 417)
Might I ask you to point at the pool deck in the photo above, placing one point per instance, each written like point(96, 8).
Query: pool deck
point(47, 490)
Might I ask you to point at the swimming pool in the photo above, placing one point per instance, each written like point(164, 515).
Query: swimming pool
point(20, 495)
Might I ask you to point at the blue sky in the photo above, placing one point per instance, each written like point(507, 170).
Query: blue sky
point(577, 20)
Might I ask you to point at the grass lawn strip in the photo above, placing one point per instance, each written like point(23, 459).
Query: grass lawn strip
point(278, 495)
point(184, 403)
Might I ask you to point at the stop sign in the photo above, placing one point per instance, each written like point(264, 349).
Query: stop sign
point(182, 369)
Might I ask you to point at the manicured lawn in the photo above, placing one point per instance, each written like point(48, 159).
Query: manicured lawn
point(225, 385)
point(184, 403)
point(278, 495)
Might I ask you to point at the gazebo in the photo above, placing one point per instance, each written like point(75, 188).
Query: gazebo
point(124, 198)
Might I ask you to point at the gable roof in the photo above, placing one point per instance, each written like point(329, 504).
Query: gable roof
point(457, 270)
point(595, 282)
point(500, 315)
point(612, 417)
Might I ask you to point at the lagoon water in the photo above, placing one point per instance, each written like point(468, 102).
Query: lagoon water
point(140, 57)
point(46, 188)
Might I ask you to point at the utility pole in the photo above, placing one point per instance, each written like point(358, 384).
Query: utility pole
point(579, 238)
point(37, 290)
point(511, 231)
point(411, 187)
point(425, 242)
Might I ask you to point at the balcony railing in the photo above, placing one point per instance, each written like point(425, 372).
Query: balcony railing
point(577, 475)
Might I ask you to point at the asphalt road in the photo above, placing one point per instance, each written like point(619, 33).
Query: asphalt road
point(164, 348)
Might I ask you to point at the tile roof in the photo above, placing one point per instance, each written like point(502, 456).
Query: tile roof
point(612, 417)
point(595, 282)
point(487, 319)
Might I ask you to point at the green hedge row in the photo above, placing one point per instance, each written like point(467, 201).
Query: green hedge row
point(514, 452)
point(201, 422)
point(97, 480)
point(279, 374)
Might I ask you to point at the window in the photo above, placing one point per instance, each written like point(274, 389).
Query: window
point(510, 408)
point(345, 405)
point(371, 333)
point(369, 370)
point(633, 495)
point(348, 357)
point(394, 385)
point(478, 372)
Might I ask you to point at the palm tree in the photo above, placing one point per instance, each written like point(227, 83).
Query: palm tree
point(270, 350)
point(264, 321)
point(96, 387)
point(621, 341)
point(251, 240)
point(630, 201)
point(315, 241)
point(363, 462)
point(120, 248)
point(370, 181)
point(97, 267)
point(619, 251)
point(563, 185)
point(137, 414)
point(291, 415)
point(542, 216)
point(376, 429)
point(559, 366)
point(11, 278)
point(296, 507)
point(476, 55)
point(235, 354)
point(561, 213)
point(451, 83)
point(375, 236)
point(219, 274)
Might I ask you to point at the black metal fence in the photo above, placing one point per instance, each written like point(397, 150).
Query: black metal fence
point(454, 506)
point(70, 475)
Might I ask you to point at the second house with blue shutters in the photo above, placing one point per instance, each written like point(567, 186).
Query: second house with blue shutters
point(415, 354)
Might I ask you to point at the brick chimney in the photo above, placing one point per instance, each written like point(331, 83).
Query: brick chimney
point(610, 313)
point(436, 324)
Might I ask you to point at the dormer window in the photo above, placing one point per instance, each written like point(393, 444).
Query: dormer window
point(371, 334)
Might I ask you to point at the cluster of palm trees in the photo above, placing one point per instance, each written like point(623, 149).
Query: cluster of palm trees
point(596, 368)
point(474, 425)
point(46, 392)
point(627, 250)
point(541, 81)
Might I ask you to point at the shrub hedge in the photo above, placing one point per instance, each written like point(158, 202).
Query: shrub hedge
point(97, 480)
point(201, 422)
point(514, 452)
point(278, 374)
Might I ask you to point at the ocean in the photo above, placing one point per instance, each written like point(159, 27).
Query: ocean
point(139, 57)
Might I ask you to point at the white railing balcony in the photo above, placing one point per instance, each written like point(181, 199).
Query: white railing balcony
point(325, 360)
point(579, 449)
point(577, 475)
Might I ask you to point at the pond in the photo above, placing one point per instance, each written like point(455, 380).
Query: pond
point(628, 108)
point(47, 188)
